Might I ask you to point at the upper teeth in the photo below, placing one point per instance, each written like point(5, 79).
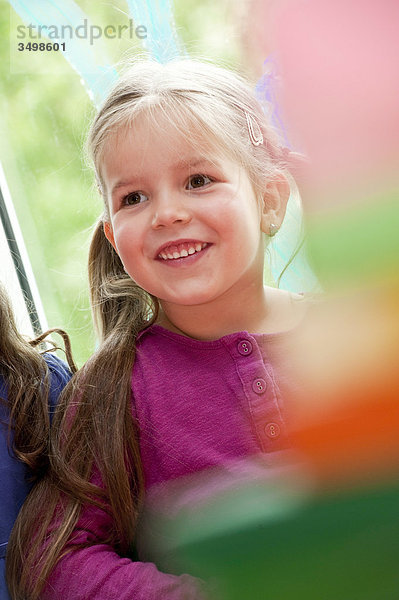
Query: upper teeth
point(181, 250)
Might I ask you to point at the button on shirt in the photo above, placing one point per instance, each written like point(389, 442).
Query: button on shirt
point(201, 404)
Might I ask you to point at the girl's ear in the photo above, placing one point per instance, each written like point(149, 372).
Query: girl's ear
point(274, 203)
point(109, 234)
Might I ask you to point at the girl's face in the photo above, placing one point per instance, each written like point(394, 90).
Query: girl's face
point(186, 224)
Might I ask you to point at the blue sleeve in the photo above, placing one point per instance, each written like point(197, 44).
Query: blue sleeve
point(59, 376)
point(14, 476)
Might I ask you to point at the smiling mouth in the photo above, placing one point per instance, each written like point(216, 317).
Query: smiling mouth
point(183, 250)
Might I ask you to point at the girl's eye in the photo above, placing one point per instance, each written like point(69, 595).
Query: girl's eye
point(134, 198)
point(198, 181)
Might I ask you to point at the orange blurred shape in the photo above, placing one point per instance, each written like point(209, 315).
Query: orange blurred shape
point(345, 419)
point(357, 440)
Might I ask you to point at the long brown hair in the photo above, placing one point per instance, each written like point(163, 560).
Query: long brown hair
point(100, 429)
point(26, 376)
point(94, 424)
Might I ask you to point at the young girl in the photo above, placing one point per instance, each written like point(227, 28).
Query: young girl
point(29, 383)
point(190, 371)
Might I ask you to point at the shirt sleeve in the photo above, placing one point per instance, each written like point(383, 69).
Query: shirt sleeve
point(59, 376)
point(97, 572)
point(14, 475)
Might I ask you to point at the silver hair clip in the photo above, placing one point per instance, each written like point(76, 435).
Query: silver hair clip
point(255, 133)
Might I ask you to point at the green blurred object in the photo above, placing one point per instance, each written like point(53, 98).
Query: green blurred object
point(357, 245)
point(337, 546)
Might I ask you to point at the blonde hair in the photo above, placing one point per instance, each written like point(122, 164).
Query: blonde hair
point(202, 101)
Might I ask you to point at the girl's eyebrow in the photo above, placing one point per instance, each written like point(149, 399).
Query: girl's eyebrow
point(202, 160)
point(183, 163)
point(121, 184)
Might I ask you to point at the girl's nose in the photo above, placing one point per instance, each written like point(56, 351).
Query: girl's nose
point(170, 210)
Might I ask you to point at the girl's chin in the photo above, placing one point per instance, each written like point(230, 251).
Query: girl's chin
point(183, 293)
point(186, 299)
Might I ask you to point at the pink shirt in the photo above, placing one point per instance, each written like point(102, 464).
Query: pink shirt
point(202, 403)
point(199, 405)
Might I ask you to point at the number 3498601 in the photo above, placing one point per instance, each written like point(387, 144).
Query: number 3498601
point(41, 47)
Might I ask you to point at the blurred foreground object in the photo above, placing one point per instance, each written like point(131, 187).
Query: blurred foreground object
point(280, 537)
point(340, 69)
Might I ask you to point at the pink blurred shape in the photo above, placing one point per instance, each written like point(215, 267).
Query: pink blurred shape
point(340, 69)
